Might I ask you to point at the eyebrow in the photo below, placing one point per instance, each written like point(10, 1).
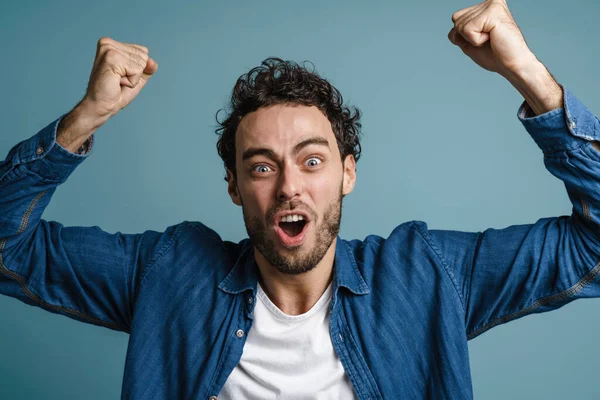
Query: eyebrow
point(256, 151)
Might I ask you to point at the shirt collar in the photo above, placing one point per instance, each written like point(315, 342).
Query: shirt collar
point(244, 274)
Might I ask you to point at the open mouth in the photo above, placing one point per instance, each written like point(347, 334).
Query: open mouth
point(291, 230)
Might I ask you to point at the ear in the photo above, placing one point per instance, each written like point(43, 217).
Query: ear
point(349, 174)
point(232, 189)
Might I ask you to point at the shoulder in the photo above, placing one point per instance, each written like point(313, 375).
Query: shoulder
point(203, 238)
point(401, 233)
point(192, 244)
point(410, 244)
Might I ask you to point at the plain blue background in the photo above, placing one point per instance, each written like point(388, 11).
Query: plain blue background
point(441, 144)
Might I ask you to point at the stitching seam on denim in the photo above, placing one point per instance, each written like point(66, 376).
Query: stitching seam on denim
point(366, 373)
point(157, 257)
point(559, 153)
point(25, 219)
point(205, 229)
point(21, 281)
point(471, 265)
point(353, 370)
point(427, 238)
point(346, 357)
point(355, 271)
point(222, 356)
point(573, 290)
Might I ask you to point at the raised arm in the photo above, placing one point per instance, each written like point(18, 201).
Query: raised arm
point(489, 35)
point(504, 274)
point(84, 273)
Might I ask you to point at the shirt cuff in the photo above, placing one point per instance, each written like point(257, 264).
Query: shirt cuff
point(565, 128)
point(85, 148)
point(43, 155)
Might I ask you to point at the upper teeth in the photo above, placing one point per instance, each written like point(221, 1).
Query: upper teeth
point(292, 218)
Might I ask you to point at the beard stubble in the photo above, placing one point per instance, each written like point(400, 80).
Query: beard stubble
point(294, 263)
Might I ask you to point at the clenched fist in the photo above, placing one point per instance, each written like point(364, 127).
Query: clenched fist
point(489, 35)
point(120, 71)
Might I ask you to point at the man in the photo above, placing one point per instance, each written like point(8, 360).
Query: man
point(295, 311)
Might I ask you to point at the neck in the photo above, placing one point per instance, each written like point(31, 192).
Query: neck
point(296, 294)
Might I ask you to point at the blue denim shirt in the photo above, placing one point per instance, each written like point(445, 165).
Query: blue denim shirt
point(403, 307)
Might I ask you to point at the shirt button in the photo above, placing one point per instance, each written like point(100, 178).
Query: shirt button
point(39, 150)
point(573, 125)
point(212, 398)
point(250, 300)
point(239, 334)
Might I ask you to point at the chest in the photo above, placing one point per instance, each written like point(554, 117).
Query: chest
point(404, 339)
point(288, 357)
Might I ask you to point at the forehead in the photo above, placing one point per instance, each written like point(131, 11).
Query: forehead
point(282, 126)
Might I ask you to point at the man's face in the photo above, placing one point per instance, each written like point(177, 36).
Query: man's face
point(290, 183)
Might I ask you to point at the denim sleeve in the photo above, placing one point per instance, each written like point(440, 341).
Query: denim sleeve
point(504, 274)
point(81, 272)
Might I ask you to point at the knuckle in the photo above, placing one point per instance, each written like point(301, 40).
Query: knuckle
point(496, 8)
point(135, 67)
point(141, 58)
point(112, 55)
point(104, 40)
point(462, 23)
point(469, 26)
point(134, 61)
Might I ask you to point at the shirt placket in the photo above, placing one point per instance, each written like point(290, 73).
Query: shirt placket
point(234, 346)
point(353, 362)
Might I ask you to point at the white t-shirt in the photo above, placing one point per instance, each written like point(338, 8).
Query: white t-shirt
point(289, 356)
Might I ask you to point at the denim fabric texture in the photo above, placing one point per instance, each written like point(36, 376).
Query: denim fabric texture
point(403, 307)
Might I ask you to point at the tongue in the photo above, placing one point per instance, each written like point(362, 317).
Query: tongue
point(292, 228)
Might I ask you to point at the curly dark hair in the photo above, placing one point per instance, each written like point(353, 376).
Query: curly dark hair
point(277, 81)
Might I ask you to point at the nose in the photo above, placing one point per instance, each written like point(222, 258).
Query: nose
point(290, 183)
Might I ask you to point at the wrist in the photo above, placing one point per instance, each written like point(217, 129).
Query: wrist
point(77, 126)
point(535, 83)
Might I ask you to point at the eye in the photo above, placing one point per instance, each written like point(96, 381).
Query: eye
point(313, 161)
point(261, 168)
